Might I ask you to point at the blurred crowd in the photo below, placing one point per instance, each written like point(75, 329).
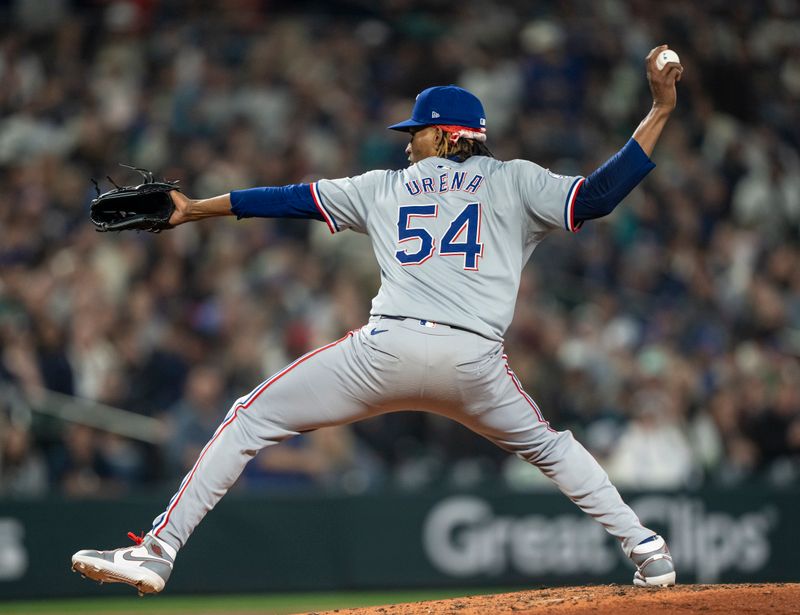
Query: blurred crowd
point(666, 336)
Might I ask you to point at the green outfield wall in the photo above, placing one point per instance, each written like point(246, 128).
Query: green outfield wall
point(282, 543)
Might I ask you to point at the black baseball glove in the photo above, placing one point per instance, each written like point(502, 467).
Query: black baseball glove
point(146, 207)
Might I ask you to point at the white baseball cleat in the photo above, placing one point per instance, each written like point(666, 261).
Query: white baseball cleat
point(654, 567)
point(145, 565)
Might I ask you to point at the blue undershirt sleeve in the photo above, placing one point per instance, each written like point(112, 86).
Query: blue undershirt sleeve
point(294, 201)
point(604, 189)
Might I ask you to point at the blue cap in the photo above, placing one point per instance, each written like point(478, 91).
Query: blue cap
point(445, 105)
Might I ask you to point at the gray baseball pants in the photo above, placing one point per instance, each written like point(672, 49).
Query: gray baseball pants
point(390, 365)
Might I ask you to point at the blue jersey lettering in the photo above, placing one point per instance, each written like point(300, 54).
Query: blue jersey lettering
point(458, 180)
point(413, 187)
point(474, 184)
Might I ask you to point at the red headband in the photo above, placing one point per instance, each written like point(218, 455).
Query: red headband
point(456, 132)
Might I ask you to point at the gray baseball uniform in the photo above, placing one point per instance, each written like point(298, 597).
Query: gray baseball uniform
point(451, 239)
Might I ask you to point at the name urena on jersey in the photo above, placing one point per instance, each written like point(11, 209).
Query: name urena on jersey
point(446, 182)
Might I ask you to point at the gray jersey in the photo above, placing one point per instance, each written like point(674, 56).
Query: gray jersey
point(451, 238)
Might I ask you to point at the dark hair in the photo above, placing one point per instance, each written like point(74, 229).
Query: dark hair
point(462, 149)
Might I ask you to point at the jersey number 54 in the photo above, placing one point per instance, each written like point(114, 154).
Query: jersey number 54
point(462, 237)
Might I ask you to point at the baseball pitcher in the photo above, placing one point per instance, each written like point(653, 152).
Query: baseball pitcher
point(451, 234)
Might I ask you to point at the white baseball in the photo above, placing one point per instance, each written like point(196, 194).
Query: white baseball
point(666, 56)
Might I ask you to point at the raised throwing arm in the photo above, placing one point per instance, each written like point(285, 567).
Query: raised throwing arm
point(662, 87)
point(605, 188)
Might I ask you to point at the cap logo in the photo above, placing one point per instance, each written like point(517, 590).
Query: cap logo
point(434, 114)
point(483, 121)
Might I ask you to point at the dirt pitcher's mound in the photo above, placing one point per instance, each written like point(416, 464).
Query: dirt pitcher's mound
point(774, 599)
